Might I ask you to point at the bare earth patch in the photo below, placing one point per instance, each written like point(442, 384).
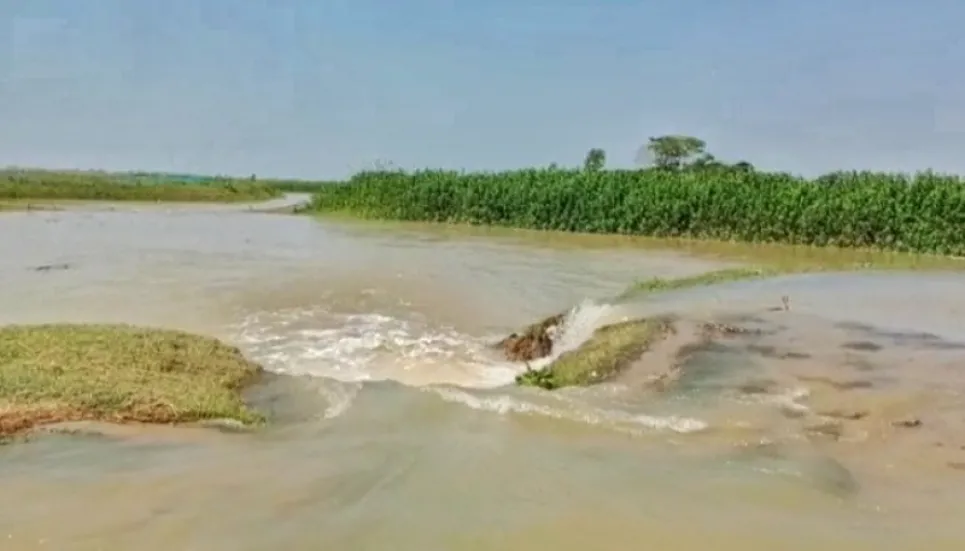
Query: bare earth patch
point(118, 373)
point(534, 342)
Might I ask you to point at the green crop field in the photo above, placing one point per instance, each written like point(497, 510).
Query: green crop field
point(924, 212)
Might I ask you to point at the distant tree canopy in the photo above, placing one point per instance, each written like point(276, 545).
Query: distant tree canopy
point(595, 160)
point(676, 152)
point(672, 151)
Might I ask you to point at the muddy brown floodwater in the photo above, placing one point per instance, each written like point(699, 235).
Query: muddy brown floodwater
point(836, 424)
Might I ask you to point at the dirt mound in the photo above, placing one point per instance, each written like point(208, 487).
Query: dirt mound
point(536, 341)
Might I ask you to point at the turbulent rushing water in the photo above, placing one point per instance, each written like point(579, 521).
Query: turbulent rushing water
point(395, 427)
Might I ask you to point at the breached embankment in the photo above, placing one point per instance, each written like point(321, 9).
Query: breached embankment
point(773, 370)
point(609, 348)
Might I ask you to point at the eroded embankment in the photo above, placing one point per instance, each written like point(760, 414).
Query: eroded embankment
point(118, 373)
point(853, 387)
point(611, 347)
point(655, 346)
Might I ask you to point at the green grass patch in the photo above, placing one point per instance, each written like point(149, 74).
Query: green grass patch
point(605, 354)
point(118, 373)
point(23, 205)
point(658, 284)
point(20, 185)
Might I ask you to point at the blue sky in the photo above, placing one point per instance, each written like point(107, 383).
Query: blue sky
point(322, 88)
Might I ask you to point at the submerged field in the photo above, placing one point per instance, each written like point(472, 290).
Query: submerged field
point(920, 213)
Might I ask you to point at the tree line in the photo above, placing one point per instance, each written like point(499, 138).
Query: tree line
point(670, 152)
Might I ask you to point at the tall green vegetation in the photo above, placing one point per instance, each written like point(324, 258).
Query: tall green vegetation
point(687, 194)
point(93, 185)
point(595, 160)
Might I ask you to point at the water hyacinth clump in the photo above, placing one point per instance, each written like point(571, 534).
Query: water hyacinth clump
point(924, 212)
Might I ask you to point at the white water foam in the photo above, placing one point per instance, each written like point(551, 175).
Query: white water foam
point(619, 420)
point(364, 347)
point(578, 326)
point(790, 400)
point(373, 346)
point(340, 398)
point(353, 348)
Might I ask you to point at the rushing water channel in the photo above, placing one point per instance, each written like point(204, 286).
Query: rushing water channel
point(395, 428)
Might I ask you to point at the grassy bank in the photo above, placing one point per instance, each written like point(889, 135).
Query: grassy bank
point(920, 213)
point(21, 205)
point(21, 185)
point(117, 373)
point(658, 284)
point(604, 355)
point(612, 347)
point(299, 186)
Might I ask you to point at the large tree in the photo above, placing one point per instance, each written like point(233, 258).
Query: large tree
point(671, 151)
point(595, 160)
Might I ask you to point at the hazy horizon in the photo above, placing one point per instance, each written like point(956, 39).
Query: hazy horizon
point(311, 90)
